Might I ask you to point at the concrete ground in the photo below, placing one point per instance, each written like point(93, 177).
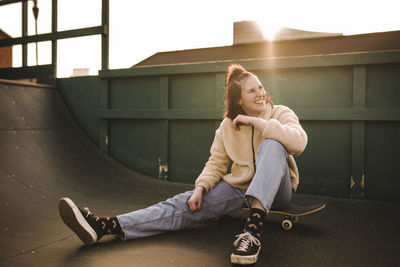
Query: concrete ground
point(46, 157)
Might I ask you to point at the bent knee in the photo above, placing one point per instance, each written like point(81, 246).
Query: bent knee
point(272, 145)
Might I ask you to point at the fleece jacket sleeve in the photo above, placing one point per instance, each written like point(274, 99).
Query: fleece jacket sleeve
point(216, 166)
point(285, 128)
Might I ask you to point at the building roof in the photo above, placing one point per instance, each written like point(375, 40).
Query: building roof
point(381, 41)
point(4, 35)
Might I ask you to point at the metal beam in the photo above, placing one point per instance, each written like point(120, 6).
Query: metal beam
point(160, 114)
point(24, 33)
point(43, 72)
point(357, 178)
point(305, 114)
point(7, 2)
point(363, 58)
point(29, 84)
point(104, 125)
point(54, 27)
point(53, 36)
point(349, 114)
point(105, 37)
point(163, 130)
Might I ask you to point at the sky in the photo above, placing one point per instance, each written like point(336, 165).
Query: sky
point(139, 29)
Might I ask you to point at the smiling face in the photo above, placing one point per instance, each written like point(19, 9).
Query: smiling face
point(254, 97)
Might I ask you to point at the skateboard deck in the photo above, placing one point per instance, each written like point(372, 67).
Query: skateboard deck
point(292, 213)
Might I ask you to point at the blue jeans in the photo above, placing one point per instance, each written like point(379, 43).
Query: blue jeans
point(270, 185)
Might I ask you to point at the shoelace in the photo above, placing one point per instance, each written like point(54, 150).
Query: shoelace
point(245, 240)
point(88, 213)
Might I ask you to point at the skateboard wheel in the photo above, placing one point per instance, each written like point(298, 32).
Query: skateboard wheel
point(287, 224)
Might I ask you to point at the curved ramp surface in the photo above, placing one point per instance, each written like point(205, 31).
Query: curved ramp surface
point(45, 156)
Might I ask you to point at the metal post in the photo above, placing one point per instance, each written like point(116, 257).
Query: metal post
point(24, 33)
point(105, 18)
point(54, 25)
point(163, 130)
point(35, 10)
point(357, 178)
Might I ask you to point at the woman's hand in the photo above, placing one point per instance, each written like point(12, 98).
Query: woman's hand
point(242, 120)
point(195, 199)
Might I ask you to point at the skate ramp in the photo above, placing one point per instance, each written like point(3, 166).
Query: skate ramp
point(45, 156)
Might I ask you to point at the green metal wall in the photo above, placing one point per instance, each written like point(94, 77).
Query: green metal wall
point(161, 120)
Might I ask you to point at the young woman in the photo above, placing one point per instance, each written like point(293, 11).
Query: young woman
point(260, 138)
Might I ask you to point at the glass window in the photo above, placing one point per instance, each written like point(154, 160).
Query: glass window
point(75, 14)
point(44, 53)
point(11, 19)
point(79, 53)
point(44, 17)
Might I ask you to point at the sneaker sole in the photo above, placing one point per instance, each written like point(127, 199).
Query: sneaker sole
point(74, 219)
point(244, 260)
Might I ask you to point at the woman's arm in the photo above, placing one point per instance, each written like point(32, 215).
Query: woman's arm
point(195, 199)
point(243, 120)
point(286, 129)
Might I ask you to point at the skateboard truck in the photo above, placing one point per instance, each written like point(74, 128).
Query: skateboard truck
point(292, 213)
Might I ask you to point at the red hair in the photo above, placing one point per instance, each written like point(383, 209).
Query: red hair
point(235, 77)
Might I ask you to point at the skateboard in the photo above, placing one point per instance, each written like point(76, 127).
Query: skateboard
point(292, 213)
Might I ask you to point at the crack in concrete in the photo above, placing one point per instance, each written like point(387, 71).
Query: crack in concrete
point(27, 186)
point(24, 252)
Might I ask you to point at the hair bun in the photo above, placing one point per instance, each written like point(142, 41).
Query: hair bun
point(233, 72)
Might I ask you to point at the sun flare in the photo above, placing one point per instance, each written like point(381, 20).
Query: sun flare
point(269, 30)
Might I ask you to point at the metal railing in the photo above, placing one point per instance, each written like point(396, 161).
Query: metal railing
point(47, 73)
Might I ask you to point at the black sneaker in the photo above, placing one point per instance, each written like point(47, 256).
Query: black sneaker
point(82, 222)
point(246, 249)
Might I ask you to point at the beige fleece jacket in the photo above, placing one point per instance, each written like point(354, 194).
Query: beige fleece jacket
point(276, 122)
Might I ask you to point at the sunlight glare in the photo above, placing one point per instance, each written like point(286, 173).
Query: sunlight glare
point(269, 30)
point(271, 23)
